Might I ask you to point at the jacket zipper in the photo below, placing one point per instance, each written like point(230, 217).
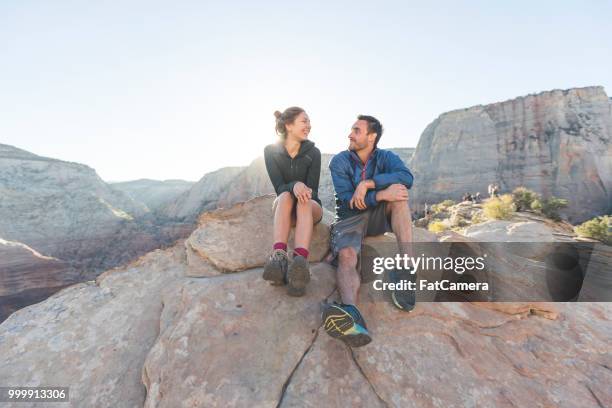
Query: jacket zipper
point(363, 170)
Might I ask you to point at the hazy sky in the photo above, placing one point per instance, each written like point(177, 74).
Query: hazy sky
point(147, 89)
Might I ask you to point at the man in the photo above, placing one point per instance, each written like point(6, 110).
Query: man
point(371, 198)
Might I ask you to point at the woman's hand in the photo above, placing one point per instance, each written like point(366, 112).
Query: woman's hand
point(302, 192)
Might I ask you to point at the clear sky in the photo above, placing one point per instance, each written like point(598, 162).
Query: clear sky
point(148, 89)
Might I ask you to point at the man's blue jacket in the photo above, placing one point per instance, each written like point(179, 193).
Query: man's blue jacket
point(347, 171)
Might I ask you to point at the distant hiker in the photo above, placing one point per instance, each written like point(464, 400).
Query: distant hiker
point(371, 187)
point(493, 190)
point(426, 210)
point(477, 197)
point(496, 190)
point(466, 197)
point(294, 166)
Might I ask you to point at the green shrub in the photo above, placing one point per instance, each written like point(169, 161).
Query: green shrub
point(523, 198)
point(461, 222)
point(478, 218)
point(443, 206)
point(599, 228)
point(551, 207)
point(499, 208)
point(536, 205)
point(437, 226)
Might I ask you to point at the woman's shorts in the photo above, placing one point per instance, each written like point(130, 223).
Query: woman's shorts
point(294, 210)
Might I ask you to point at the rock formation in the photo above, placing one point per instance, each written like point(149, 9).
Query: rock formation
point(64, 211)
point(155, 194)
point(556, 143)
point(148, 334)
point(202, 196)
point(28, 277)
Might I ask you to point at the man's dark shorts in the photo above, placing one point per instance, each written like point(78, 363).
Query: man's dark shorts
point(351, 231)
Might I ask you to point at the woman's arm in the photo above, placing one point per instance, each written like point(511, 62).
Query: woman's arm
point(275, 174)
point(314, 174)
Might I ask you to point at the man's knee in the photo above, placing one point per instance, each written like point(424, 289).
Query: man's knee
point(399, 206)
point(347, 257)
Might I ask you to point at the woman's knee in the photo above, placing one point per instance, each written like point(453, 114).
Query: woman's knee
point(304, 206)
point(285, 199)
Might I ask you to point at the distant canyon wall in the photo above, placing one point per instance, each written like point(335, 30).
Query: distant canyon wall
point(556, 143)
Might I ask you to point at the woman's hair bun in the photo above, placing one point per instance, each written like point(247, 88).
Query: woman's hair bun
point(277, 114)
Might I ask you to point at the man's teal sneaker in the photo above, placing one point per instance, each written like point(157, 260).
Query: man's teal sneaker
point(344, 322)
point(403, 299)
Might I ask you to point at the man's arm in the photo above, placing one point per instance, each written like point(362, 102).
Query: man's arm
point(396, 172)
point(341, 178)
point(395, 192)
point(365, 195)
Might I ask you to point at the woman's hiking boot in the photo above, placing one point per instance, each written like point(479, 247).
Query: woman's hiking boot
point(298, 276)
point(275, 269)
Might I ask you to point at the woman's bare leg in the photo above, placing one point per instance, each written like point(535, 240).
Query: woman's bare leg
point(307, 214)
point(282, 217)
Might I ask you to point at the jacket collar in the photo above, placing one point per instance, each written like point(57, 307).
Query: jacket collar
point(305, 146)
point(356, 158)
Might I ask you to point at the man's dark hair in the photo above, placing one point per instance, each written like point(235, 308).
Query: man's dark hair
point(374, 126)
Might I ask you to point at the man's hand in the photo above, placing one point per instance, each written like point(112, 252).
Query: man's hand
point(358, 199)
point(302, 192)
point(395, 192)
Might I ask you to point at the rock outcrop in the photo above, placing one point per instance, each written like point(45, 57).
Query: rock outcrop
point(556, 143)
point(65, 211)
point(28, 277)
point(155, 194)
point(251, 239)
point(202, 196)
point(149, 335)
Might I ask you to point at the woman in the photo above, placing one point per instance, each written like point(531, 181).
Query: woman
point(294, 166)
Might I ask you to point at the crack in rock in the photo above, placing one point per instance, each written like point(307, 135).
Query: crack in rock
point(382, 401)
point(288, 380)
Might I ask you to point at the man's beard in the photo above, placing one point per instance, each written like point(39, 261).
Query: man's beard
point(356, 147)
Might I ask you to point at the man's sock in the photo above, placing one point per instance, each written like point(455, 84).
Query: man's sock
point(280, 245)
point(301, 251)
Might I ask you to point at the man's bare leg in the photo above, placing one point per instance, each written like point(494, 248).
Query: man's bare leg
point(344, 321)
point(401, 223)
point(348, 278)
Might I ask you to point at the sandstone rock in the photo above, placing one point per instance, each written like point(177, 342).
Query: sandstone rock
point(94, 336)
point(240, 238)
point(147, 335)
point(23, 268)
point(28, 277)
point(250, 337)
point(202, 196)
point(155, 194)
point(555, 143)
point(510, 231)
point(65, 211)
point(460, 355)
